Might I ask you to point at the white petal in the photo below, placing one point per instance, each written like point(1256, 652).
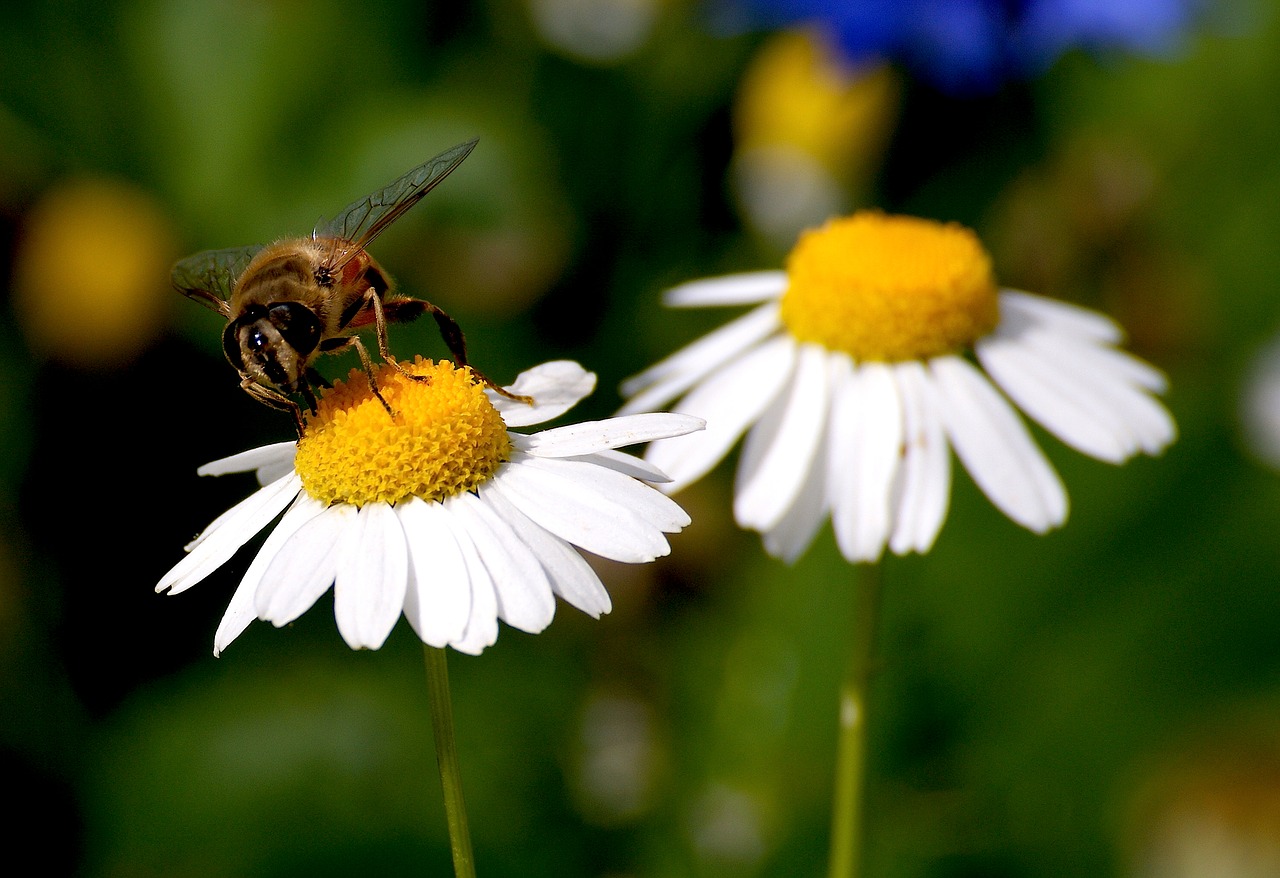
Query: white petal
point(627, 464)
point(795, 531)
point(1088, 353)
point(996, 448)
point(570, 575)
point(654, 507)
point(780, 452)
point(254, 458)
point(228, 532)
point(923, 489)
point(1119, 366)
point(665, 380)
point(239, 614)
point(236, 512)
point(243, 607)
point(1077, 399)
point(438, 601)
point(555, 387)
point(574, 502)
point(732, 289)
point(1064, 317)
point(369, 588)
point(729, 401)
point(482, 623)
point(270, 472)
point(590, 436)
point(524, 595)
point(1053, 394)
point(865, 452)
point(305, 566)
point(1115, 382)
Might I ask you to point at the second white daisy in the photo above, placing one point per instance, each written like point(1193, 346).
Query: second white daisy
point(851, 382)
point(439, 512)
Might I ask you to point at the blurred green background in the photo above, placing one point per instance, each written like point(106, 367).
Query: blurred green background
point(1104, 700)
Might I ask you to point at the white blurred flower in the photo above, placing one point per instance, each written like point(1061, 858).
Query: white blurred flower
point(619, 759)
point(1260, 405)
point(595, 30)
point(439, 512)
point(730, 827)
point(783, 188)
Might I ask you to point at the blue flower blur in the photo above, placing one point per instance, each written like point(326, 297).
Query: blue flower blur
point(968, 46)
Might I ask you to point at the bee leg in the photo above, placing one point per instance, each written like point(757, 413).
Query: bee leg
point(368, 371)
point(405, 310)
point(304, 387)
point(316, 379)
point(450, 331)
point(500, 390)
point(380, 325)
point(273, 399)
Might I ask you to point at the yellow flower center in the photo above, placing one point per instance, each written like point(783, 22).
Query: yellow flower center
point(882, 287)
point(444, 438)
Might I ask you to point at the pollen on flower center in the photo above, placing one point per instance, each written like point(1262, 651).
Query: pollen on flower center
point(445, 437)
point(890, 288)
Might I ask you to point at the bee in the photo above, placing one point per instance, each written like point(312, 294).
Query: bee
point(289, 302)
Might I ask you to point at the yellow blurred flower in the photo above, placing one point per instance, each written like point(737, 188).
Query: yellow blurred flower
point(810, 133)
point(797, 92)
point(90, 275)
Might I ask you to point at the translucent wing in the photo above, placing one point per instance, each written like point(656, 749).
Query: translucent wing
point(209, 275)
point(361, 222)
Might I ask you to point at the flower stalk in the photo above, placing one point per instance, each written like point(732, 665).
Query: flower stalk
point(447, 758)
point(847, 854)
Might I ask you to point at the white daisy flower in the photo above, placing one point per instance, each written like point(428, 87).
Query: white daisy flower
point(851, 381)
point(439, 512)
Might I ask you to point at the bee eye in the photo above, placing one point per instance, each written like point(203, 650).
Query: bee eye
point(297, 324)
point(256, 341)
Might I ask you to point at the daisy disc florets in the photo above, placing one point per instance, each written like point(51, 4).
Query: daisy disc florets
point(889, 288)
point(445, 437)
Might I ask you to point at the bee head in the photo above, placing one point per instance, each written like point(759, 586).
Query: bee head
point(273, 343)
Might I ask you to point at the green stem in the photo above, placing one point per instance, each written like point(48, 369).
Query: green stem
point(846, 819)
point(447, 758)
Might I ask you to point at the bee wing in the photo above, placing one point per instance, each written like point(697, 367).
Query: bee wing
point(209, 276)
point(361, 222)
